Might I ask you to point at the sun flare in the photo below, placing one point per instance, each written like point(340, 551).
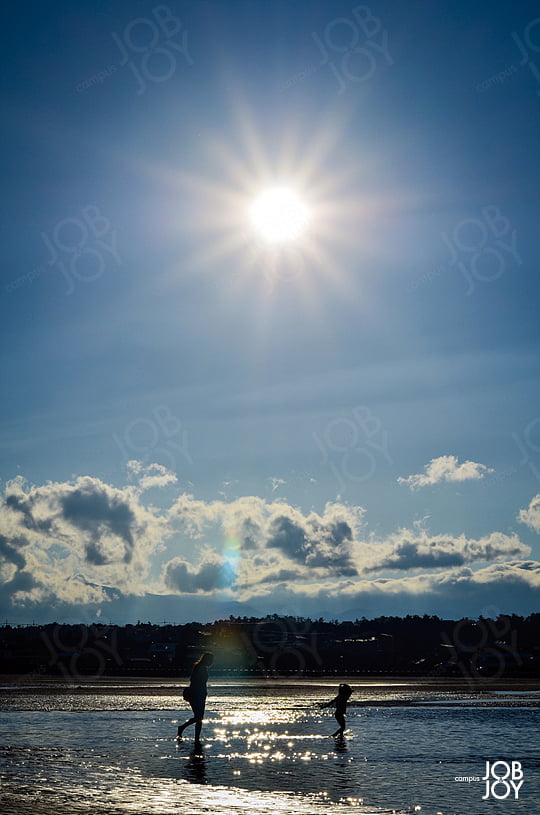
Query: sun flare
point(279, 215)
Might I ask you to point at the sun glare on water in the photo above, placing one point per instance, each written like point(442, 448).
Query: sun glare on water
point(279, 215)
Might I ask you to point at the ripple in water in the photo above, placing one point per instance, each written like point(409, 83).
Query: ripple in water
point(263, 751)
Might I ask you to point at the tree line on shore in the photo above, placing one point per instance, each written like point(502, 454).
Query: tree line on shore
point(279, 645)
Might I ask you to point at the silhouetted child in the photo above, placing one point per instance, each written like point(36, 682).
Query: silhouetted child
point(340, 701)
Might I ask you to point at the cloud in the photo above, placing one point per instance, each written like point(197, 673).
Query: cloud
point(531, 515)
point(277, 542)
point(105, 514)
point(413, 550)
point(506, 588)
point(211, 574)
point(84, 543)
point(151, 475)
point(281, 534)
point(263, 542)
point(282, 575)
point(288, 536)
point(445, 468)
point(314, 540)
point(502, 588)
point(67, 540)
point(10, 551)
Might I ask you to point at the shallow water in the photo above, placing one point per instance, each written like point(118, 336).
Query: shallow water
point(266, 748)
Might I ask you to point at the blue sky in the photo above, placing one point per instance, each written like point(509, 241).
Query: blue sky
point(194, 422)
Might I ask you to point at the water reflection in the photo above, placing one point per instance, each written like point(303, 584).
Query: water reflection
point(342, 769)
point(196, 766)
point(340, 745)
point(265, 755)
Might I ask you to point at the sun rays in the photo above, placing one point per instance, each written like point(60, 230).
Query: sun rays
point(277, 217)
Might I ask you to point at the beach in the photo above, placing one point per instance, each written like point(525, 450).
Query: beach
point(107, 745)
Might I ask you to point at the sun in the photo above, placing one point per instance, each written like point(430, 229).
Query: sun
point(280, 212)
point(279, 215)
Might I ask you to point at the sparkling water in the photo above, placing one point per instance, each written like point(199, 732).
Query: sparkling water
point(110, 746)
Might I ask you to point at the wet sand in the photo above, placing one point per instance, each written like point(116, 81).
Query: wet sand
point(19, 796)
point(373, 685)
point(14, 804)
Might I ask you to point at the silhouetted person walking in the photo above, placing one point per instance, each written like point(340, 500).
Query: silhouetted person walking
point(195, 694)
point(340, 701)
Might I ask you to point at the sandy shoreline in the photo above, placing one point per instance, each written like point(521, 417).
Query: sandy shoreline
point(39, 684)
point(137, 796)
